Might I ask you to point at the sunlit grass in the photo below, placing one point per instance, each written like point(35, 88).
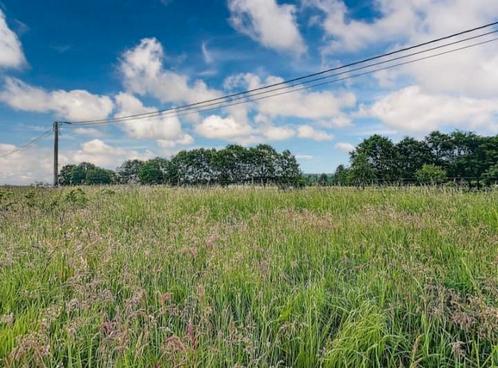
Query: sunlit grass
point(338, 277)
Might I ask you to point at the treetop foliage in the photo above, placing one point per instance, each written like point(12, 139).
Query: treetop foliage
point(234, 164)
point(437, 158)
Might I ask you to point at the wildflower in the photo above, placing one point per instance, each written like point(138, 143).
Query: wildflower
point(458, 349)
point(7, 319)
point(165, 298)
point(174, 344)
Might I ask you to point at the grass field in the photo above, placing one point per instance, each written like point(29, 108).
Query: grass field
point(146, 277)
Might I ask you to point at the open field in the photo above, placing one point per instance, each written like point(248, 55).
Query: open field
point(145, 277)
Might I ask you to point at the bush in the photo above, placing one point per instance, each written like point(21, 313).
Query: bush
point(430, 174)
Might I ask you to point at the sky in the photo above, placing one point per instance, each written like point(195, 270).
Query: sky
point(84, 60)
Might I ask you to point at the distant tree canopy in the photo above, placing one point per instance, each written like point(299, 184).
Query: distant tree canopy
point(85, 173)
point(232, 165)
point(437, 158)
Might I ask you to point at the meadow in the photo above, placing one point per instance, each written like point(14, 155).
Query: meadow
point(248, 277)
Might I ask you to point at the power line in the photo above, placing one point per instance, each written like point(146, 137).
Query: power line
point(225, 102)
point(298, 78)
point(301, 87)
point(27, 144)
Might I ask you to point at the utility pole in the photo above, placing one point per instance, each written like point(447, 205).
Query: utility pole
point(56, 153)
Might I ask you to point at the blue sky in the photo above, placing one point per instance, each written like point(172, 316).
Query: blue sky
point(79, 60)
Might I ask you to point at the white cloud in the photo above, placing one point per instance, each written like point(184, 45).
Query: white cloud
point(102, 154)
point(345, 147)
point(71, 105)
point(269, 131)
point(277, 133)
point(11, 54)
point(20, 168)
point(217, 127)
point(407, 22)
point(261, 130)
point(457, 90)
point(413, 110)
point(304, 157)
point(92, 132)
point(144, 74)
point(471, 72)
point(400, 20)
point(206, 54)
point(300, 104)
point(308, 132)
point(166, 128)
point(272, 25)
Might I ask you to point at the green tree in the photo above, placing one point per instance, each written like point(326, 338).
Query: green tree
point(441, 147)
point(287, 170)
point(99, 176)
point(411, 156)
point(79, 172)
point(128, 172)
point(341, 176)
point(65, 175)
point(491, 175)
point(263, 158)
point(430, 174)
point(466, 159)
point(232, 165)
point(362, 171)
point(154, 171)
point(381, 154)
point(323, 180)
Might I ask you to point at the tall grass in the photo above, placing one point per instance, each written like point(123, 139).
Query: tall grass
point(144, 277)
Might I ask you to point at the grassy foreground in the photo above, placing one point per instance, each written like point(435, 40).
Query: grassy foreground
point(145, 277)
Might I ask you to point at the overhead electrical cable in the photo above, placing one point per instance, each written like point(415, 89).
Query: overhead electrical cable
point(222, 98)
point(300, 87)
point(292, 85)
point(27, 144)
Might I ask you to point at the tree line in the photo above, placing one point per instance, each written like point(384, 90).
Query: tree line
point(234, 164)
point(438, 158)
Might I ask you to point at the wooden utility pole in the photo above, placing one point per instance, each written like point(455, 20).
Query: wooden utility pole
point(56, 153)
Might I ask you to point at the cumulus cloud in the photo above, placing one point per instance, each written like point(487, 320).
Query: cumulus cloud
point(165, 128)
point(456, 90)
point(92, 132)
point(412, 21)
point(304, 104)
point(344, 147)
point(143, 73)
point(26, 166)
point(272, 25)
point(260, 130)
point(11, 54)
point(217, 127)
point(400, 20)
point(277, 133)
point(35, 164)
point(411, 109)
point(308, 132)
point(71, 105)
point(102, 154)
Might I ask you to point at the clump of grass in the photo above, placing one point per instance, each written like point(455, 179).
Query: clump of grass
point(141, 277)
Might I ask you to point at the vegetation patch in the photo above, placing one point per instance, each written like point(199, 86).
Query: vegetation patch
point(246, 276)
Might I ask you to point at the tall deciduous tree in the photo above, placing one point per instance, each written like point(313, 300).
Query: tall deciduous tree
point(154, 171)
point(411, 156)
point(381, 154)
point(128, 172)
